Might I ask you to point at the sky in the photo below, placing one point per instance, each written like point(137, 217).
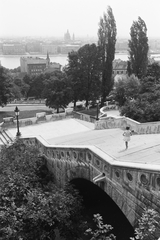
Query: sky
point(81, 17)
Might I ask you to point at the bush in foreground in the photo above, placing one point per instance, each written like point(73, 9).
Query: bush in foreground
point(31, 206)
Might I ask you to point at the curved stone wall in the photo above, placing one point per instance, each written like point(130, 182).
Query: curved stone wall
point(132, 187)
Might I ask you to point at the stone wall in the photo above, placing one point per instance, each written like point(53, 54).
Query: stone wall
point(131, 186)
point(40, 117)
point(84, 117)
point(122, 122)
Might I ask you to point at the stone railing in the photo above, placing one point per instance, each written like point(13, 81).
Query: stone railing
point(132, 186)
point(122, 122)
point(29, 101)
point(11, 122)
point(103, 123)
point(84, 117)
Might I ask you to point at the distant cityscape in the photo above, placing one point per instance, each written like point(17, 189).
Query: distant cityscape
point(64, 45)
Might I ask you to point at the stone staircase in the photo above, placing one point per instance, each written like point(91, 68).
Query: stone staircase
point(5, 138)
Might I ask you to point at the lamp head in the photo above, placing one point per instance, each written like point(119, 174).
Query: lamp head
point(16, 111)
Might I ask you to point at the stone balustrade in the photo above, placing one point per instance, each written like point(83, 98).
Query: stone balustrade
point(122, 122)
point(105, 122)
point(11, 122)
point(131, 186)
point(84, 117)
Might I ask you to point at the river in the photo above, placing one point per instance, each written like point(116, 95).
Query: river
point(13, 61)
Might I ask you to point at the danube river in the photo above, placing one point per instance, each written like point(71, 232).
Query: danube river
point(13, 61)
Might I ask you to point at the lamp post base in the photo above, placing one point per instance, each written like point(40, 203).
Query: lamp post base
point(18, 134)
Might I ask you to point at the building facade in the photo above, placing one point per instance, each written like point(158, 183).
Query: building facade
point(35, 65)
point(32, 65)
point(11, 49)
point(119, 67)
point(49, 48)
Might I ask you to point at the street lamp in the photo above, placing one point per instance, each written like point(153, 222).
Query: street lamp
point(17, 114)
point(97, 101)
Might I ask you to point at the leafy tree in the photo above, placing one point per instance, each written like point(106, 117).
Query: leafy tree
point(57, 91)
point(126, 88)
point(37, 86)
point(106, 41)
point(31, 206)
point(73, 73)
point(134, 110)
point(90, 72)
point(83, 71)
point(27, 79)
point(102, 231)
point(5, 87)
point(146, 107)
point(119, 91)
point(21, 87)
point(138, 48)
point(153, 70)
point(147, 225)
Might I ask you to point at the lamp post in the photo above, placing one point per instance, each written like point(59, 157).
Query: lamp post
point(97, 101)
point(17, 115)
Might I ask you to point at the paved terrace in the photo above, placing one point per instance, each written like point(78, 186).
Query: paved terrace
point(142, 148)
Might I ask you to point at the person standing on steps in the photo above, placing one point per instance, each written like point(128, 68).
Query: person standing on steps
point(127, 133)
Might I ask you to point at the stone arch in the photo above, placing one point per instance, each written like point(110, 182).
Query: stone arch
point(79, 171)
point(92, 191)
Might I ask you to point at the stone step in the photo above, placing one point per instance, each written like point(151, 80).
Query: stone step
point(5, 137)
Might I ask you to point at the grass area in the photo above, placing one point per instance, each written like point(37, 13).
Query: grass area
point(32, 113)
point(91, 112)
point(23, 114)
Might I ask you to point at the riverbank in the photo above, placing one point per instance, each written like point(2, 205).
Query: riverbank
point(13, 61)
point(33, 54)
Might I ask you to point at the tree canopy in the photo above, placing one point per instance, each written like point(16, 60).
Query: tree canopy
point(73, 73)
point(126, 88)
point(31, 206)
point(83, 71)
point(147, 225)
point(5, 87)
point(138, 48)
point(146, 106)
point(90, 72)
point(57, 90)
point(153, 70)
point(106, 41)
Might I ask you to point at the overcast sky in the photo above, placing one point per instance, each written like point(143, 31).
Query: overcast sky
point(81, 17)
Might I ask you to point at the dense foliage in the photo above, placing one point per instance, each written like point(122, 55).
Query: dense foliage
point(102, 231)
point(126, 89)
point(106, 41)
point(5, 87)
point(31, 206)
point(73, 71)
point(138, 49)
point(57, 90)
point(147, 225)
point(83, 71)
point(146, 106)
point(153, 70)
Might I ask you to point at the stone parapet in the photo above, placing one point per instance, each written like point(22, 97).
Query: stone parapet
point(40, 117)
point(122, 122)
point(84, 117)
